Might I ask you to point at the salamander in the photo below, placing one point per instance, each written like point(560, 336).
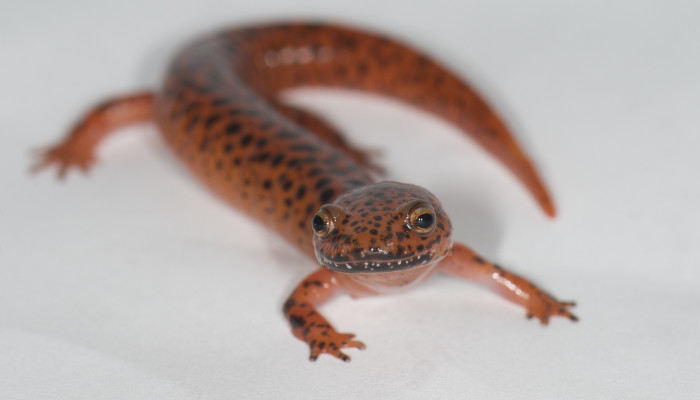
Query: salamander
point(219, 112)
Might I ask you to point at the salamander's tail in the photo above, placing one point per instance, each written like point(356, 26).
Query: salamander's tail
point(464, 107)
point(284, 56)
point(77, 149)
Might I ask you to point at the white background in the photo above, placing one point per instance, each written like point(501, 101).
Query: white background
point(136, 283)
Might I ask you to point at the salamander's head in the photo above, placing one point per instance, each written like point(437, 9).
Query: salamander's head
point(384, 227)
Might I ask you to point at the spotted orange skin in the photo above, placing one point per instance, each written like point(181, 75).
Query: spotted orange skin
point(218, 112)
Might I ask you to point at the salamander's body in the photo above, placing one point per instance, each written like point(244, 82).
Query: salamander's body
point(218, 112)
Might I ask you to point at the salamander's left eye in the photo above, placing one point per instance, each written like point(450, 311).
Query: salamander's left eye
point(422, 219)
point(322, 224)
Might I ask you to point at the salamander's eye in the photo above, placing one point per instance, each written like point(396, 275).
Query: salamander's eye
point(422, 219)
point(322, 224)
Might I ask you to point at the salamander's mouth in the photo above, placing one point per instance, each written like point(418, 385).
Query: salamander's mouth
point(378, 263)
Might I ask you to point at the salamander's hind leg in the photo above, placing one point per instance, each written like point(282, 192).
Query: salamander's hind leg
point(309, 325)
point(326, 131)
point(465, 263)
point(77, 149)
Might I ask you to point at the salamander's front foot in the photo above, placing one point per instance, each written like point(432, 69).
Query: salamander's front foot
point(66, 155)
point(544, 306)
point(327, 340)
point(465, 263)
point(309, 325)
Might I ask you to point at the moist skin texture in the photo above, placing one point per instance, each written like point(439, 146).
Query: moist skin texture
point(219, 113)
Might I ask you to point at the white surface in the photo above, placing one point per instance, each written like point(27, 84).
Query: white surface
point(136, 283)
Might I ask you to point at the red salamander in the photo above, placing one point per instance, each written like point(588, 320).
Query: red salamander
point(217, 110)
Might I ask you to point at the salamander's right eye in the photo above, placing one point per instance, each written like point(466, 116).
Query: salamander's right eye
point(322, 224)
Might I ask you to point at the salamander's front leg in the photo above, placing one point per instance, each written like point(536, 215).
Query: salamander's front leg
point(77, 150)
point(309, 325)
point(465, 263)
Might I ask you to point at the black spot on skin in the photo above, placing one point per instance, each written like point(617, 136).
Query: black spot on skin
point(296, 321)
point(219, 101)
point(267, 184)
point(262, 157)
point(373, 231)
point(226, 99)
point(309, 160)
point(309, 209)
point(287, 134)
point(315, 171)
point(246, 140)
point(185, 110)
point(211, 120)
point(232, 129)
point(287, 185)
point(355, 182)
point(193, 122)
point(228, 147)
point(261, 143)
point(348, 42)
point(204, 145)
point(362, 68)
point(322, 182)
point(326, 195)
point(276, 160)
point(288, 305)
point(304, 147)
point(300, 192)
point(338, 172)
